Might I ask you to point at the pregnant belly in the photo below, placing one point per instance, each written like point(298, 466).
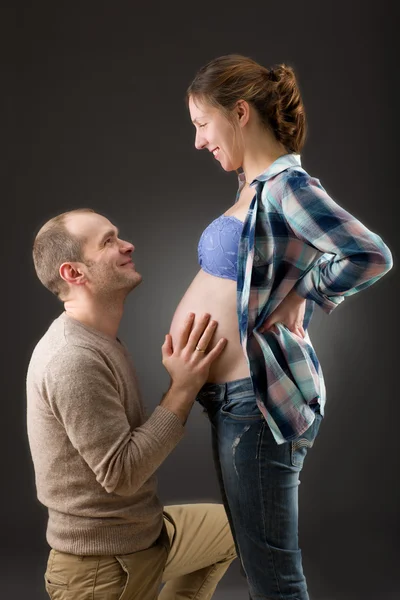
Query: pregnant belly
point(217, 297)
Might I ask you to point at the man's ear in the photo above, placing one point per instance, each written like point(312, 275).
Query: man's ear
point(242, 111)
point(73, 273)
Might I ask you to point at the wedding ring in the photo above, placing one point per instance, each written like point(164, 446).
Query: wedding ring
point(199, 349)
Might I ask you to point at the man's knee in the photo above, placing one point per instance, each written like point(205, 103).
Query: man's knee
point(207, 523)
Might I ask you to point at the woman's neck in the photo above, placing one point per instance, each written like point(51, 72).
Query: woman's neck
point(261, 150)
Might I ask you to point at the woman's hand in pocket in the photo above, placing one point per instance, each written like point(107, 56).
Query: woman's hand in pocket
point(290, 313)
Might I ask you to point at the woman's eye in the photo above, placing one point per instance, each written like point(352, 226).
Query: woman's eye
point(203, 125)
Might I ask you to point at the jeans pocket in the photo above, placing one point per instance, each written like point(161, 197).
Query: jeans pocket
point(210, 410)
point(242, 406)
point(300, 447)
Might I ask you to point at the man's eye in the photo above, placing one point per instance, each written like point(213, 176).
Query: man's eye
point(108, 241)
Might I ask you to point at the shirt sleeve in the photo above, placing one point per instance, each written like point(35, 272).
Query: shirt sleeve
point(354, 257)
point(83, 396)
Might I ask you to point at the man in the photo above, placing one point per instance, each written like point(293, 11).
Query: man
point(94, 451)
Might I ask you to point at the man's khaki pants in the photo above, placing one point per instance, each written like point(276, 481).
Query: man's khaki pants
point(196, 552)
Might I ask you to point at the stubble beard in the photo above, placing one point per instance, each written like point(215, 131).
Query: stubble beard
point(111, 285)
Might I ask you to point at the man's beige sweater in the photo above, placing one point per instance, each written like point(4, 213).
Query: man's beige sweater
point(94, 450)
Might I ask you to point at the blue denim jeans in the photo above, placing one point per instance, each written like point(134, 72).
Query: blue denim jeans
point(259, 482)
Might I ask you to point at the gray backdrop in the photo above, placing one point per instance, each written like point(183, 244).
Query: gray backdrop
point(95, 116)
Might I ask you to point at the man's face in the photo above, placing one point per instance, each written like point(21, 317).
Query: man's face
point(107, 259)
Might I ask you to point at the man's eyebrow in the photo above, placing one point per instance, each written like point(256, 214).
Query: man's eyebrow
point(109, 233)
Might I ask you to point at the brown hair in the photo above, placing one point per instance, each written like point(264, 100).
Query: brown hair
point(274, 93)
point(53, 246)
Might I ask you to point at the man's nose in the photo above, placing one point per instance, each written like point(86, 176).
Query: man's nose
point(128, 247)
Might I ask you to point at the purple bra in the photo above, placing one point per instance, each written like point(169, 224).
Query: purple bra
point(218, 247)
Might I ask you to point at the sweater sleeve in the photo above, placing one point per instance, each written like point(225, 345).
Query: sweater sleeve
point(354, 257)
point(83, 395)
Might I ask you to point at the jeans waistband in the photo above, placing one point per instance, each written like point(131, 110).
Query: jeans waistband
point(218, 390)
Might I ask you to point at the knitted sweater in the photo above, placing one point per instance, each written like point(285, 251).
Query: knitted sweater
point(94, 450)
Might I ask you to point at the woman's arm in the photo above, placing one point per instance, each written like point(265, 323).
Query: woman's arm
point(358, 258)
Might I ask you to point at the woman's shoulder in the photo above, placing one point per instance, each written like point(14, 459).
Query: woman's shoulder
point(290, 181)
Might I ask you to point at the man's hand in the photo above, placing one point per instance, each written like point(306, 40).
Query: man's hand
point(189, 362)
point(290, 312)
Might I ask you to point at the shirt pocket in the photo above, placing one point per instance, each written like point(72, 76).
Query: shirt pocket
point(262, 271)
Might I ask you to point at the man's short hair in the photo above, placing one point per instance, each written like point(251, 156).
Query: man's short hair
point(54, 245)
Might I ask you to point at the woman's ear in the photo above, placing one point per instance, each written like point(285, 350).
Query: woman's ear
point(243, 112)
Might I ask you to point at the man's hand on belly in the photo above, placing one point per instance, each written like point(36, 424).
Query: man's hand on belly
point(188, 363)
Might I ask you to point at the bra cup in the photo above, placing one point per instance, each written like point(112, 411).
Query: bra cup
point(218, 247)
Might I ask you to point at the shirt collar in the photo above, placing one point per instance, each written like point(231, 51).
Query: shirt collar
point(280, 164)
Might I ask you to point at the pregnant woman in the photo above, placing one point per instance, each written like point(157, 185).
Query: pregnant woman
point(284, 246)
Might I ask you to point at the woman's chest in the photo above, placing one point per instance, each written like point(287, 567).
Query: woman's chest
point(241, 207)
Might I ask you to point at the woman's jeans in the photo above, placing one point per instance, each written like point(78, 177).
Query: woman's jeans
point(259, 486)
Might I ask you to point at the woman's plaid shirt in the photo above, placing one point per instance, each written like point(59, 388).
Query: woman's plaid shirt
point(296, 236)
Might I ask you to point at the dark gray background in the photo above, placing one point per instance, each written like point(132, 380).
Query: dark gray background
point(95, 116)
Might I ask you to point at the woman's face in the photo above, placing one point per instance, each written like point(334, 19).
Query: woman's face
point(217, 134)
